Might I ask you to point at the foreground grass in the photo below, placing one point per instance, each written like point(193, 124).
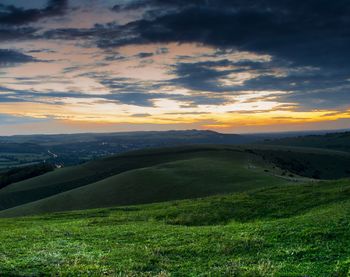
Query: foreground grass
point(295, 230)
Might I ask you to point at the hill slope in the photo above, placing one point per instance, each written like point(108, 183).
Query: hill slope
point(172, 173)
point(334, 141)
point(293, 230)
point(314, 163)
point(199, 173)
point(72, 177)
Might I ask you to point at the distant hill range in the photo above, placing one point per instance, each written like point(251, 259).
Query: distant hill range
point(334, 141)
point(172, 136)
point(71, 149)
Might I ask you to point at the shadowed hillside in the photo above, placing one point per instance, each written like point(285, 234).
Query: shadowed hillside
point(333, 141)
point(164, 174)
point(193, 172)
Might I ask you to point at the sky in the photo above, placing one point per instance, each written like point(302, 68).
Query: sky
point(234, 66)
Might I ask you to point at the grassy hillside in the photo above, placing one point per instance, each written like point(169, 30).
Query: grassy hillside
point(291, 230)
point(72, 177)
point(18, 174)
point(334, 141)
point(308, 162)
point(171, 173)
point(199, 173)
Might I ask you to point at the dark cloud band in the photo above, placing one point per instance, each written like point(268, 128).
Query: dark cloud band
point(12, 15)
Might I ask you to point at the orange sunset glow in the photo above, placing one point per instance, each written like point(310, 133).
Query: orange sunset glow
point(98, 66)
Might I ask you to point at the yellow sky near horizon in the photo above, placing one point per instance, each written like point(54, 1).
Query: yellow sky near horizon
point(245, 108)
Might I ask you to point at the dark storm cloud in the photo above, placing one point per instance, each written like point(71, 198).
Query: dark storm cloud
point(146, 99)
point(125, 84)
point(209, 75)
point(133, 92)
point(312, 33)
point(41, 51)
point(310, 89)
point(11, 57)
point(300, 81)
point(201, 76)
point(115, 57)
point(143, 55)
point(135, 98)
point(141, 4)
point(327, 99)
point(12, 15)
point(18, 95)
point(309, 41)
point(121, 91)
point(16, 33)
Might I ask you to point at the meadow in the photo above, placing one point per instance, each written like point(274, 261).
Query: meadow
point(198, 210)
point(293, 230)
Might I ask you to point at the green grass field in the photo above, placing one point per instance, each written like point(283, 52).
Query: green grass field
point(69, 178)
point(170, 173)
point(294, 230)
point(182, 211)
point(315, 163)
point(335, 141)
point(200, 174)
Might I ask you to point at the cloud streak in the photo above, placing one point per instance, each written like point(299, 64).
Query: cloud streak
point(11, 57)
point(165, 57)
point(12, 15)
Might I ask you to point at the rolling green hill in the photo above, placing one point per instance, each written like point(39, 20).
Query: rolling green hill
point(18, 174)
point(164, 174)
point(72, 177)
point(183, 211)
point(333, 141)
point(197, 173)
point(308, 162)
point(291, 230)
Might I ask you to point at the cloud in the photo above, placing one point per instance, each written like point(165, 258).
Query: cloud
point(6, 119)
point(143, 55)
point(9, 95)
point(201, 76)
point(141, 115)
point(300, 33)
point(308, 42)
point(12, 15)
point(13, 33)
point(42, 51)
point(11, 57)
point(135, 98)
